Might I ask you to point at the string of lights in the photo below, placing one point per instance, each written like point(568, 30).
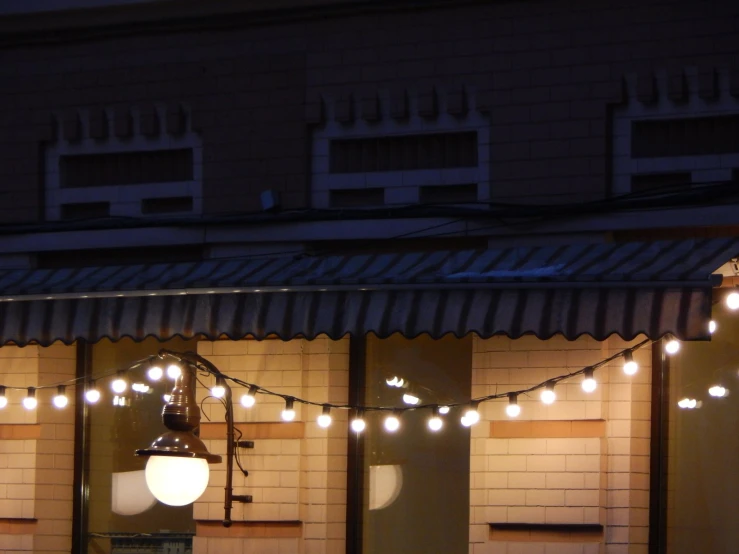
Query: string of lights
point(169, 363)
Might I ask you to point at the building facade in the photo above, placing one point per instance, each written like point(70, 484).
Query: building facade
point(478, 197)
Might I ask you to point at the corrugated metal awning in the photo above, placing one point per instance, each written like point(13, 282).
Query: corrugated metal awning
point(627, 289)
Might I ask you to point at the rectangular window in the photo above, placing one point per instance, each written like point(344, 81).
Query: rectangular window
point(416, 481)
point(123, 517)
point(404, 152)
point(694, 136)
point(126, 168)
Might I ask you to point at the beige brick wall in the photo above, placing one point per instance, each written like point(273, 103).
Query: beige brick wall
point(36, 473)
point(301, 479)
point(549, 479)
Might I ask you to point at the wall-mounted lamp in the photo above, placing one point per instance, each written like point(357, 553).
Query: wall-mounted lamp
point(177, 469)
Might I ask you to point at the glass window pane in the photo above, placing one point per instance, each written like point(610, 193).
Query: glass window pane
point(703, 446)
point(120, 506)
point(416, 480)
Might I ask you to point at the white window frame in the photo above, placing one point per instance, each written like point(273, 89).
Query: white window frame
point(125, 200)
point(401, 187)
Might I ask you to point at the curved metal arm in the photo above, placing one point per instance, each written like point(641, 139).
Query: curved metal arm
point(195, 359)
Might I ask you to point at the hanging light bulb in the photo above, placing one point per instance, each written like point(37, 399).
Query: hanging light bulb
point(513, 409)
point(219, 390)
point(401, 383)
point(410, 398)
point(435, 422)
point(30, 402)
point(167, 398)
point(324, 420)
point(443, 410)
point(119, 385)
point(392, 381)
point(155, 373)
point(712, 327)
point(140, 387)
point(288, 414)
point(717, 391)
point(92, 394)
point(589, 384)
point(673, 345)
point(60, 400)
point(471, 415)
point(548, 396)
point(3, 398)
point(174, 371)
point(250, 398)
point(392, 423)
point(630, 366)
point(732, 301)
point(358, 425)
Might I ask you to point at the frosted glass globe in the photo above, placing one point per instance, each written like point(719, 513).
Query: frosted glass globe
point(513, 410)
point(435, 423)
point(155, 373)
point(30, 402)
point(324, 420)
point(60, 401)
point(732, 301)
point(174, 371)
point(472, 416)
point(443, 410)
point(548, 396)
point(92, 396)
point(392, 423)
point(589, 384)
point(119, 386)
point(177, 481)
point(672, 346)
point(631, 367)
point(219, 391)
point(3, 402)
point(358, 425)
point(411, 399)
point(248, 400)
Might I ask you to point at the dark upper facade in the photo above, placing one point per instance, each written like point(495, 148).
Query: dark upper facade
point(287, 111)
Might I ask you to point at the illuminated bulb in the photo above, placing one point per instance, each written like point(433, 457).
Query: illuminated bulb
point(324, 420)
point(712, 327)
point(30, 402)
point(443, 410)
point(471, 416)
point(630, 366)
point(3, 398)
point(411, 399)
point(732, 301)
point(358, 425)
point(288, 414)
point(393, 382)
point(589, 384)
point(400, 383)
point(155, 373)
point(119, 385)
point(392, 423)
point(513, 409)
point(673, 345)
point(174, 371)
point(435, 422)
point(548, 396)
point(92, 394)
point(60, 400)
point(250, 398)
point(167, 398)
point(717, 391)
point(219, 390)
